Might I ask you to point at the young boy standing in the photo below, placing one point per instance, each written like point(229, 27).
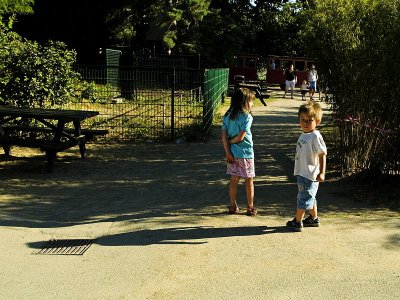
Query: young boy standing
point(309, 166)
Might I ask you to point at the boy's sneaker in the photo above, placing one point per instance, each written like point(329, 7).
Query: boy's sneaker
point(310, 222)
point(294, 225)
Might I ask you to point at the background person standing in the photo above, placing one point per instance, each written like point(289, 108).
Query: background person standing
point(272, 65)
point(290, 80)
point(312, 81)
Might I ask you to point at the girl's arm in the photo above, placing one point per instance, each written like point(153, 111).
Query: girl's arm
point(238, 138)
point(227, 147)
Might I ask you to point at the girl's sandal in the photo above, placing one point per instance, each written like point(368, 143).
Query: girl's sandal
point(251, 211)
point(233, 209)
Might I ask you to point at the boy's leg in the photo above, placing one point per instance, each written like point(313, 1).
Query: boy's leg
point(312, 220)
point(250, 192)
point(314, 211)
point(300, 215)
point(307, 190)
point(297, 223)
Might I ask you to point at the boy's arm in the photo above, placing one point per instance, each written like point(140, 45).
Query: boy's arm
point(322, 167)
point(227, 147)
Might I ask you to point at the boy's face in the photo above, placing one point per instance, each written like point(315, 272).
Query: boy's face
point(307, 123)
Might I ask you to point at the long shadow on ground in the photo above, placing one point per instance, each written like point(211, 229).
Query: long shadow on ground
point(179, 235)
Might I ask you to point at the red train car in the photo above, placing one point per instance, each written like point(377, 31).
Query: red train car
point(246, 65)
point(276, 76)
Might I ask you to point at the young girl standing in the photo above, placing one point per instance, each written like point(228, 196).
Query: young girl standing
point(238, 144)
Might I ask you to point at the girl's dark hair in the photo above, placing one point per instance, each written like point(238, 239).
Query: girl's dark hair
point(238, 101)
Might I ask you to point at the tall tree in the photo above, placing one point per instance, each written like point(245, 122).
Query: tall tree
point(215, 29)
point(79, 24)
point(172, 23)
point(356, 44)
point(10, 8)
point(277, 25)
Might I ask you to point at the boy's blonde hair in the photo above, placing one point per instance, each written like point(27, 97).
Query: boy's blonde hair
point(313, 109)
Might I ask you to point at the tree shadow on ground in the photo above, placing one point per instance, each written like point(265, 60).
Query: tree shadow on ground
point(137, 182)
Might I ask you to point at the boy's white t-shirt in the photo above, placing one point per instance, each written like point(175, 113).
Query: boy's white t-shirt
point(309, 146)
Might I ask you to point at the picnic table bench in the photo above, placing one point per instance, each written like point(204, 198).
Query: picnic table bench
point(253, 86)
point(52, 138)
point(87, 132)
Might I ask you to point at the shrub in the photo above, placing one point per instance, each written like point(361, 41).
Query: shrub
point(35, 75)
point(356, 43)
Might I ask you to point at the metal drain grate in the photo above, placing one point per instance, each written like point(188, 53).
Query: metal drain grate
point(66, 247)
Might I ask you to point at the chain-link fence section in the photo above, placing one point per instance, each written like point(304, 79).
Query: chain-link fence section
point(151, 103)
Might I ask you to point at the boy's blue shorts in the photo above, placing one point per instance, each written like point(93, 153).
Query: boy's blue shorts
point(312, 85)
point(307, 192)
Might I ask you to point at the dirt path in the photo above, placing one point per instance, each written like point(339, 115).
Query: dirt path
point(158, 214)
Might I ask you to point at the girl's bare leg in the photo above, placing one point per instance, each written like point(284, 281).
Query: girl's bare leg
point(233, 185)
point(250, 192)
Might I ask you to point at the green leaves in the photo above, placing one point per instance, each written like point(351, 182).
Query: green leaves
point(356, 43)
point(10, 8)
point(35, 75)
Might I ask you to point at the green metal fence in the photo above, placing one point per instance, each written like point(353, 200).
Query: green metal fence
point(152, 103)
point(112, 60)
point(215, 89)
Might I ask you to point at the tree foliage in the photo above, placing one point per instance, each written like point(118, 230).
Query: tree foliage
point(215, 29)
point(356, 43)
point(10, 8)
point(34, 75)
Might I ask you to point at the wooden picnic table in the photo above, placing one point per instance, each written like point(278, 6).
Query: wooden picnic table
point(58, 137)
point(257, 89)
point(254, 86)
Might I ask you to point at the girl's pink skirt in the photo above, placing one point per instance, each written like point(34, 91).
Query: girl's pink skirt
point(242, 167)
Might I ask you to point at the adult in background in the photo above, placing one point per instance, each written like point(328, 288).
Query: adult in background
point(272, 65)
point(290, 80)
point(312, 81)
